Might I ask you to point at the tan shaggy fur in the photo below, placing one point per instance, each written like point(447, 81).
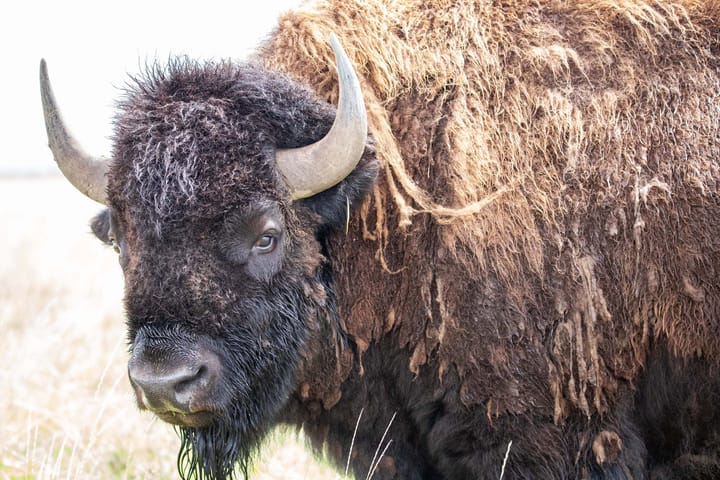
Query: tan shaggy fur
point(557, 161)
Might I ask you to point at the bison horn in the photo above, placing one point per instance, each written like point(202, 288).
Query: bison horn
point(85, 172)
point(314, 168)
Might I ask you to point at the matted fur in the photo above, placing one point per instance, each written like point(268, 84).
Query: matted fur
point(549, 187)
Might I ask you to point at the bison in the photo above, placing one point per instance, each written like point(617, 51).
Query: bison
point(514, 274)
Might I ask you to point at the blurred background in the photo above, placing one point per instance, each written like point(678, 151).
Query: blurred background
point(66, 408)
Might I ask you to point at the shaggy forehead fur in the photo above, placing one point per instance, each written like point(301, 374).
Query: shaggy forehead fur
point(548, 204)
point(196, 140)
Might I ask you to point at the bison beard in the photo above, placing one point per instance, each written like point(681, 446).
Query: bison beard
point(216, 451)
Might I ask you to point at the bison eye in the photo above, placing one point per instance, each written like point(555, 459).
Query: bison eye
point(266, 243)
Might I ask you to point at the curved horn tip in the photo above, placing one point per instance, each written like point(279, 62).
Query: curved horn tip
point(334, 42)
point(341, 149)
point(85, 172)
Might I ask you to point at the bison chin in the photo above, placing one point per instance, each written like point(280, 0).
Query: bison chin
point(216, 452)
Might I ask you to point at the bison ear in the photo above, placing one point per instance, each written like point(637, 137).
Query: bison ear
point(100, 225)
point(332, 205)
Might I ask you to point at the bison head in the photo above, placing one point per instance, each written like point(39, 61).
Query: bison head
point(224, 182)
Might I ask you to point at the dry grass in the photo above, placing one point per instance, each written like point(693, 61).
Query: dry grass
point(66, 409)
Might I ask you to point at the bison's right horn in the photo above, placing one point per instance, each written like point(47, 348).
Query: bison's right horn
point(85, 172)
point(315, 168)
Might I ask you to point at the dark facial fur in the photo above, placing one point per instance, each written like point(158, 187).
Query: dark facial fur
point(213, 252)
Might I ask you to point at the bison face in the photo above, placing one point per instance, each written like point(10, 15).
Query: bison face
point(219, 221)
point(215, 308)
point(218, 314)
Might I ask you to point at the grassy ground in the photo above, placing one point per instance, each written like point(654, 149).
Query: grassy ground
point(66, 408)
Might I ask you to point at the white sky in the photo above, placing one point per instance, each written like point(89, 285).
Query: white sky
point(91, 46)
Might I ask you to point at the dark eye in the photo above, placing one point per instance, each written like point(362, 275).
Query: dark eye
point(266, 243)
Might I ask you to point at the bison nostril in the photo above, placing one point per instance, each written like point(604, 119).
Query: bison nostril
point(177, 386)
point(192, 382)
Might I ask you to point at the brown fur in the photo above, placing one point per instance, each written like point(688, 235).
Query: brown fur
point(548, 198)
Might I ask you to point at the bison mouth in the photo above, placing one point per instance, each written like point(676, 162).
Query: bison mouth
point(187, 419)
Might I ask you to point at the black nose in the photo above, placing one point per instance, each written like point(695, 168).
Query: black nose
point(173, 383)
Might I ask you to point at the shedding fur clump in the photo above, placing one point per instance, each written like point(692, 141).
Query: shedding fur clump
point(607, 447)
point(548, 189)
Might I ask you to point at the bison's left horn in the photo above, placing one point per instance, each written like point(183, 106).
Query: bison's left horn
point(314, 168)
point(85, 172)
